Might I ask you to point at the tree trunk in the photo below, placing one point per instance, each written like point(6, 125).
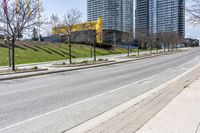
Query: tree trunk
point(128, 50)
point(70, 53)
point(13, 55)
point(150, 49)
point(138, 50)
point(9, 56)
point(164, 47)
point(95, 58)
point(157, 48)
point(91, 53)
point(168, 47)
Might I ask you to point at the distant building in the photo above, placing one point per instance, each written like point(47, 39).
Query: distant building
point(142, 18)
point(171, 16)
point(160, 16)
point(80, 31)
point(87, 32)
point(116, 14)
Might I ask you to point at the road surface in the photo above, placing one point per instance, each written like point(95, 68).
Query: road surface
point(57, 102)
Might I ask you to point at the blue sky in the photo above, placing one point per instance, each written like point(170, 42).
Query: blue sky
point(60, 7)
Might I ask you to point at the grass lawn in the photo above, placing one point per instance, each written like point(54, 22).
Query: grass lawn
point(33, 53)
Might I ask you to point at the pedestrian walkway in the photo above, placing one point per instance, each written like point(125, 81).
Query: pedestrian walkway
point(182, 115)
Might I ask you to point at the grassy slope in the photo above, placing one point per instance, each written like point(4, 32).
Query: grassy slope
point(34, 52)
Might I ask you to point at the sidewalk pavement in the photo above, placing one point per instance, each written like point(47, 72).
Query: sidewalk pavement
point(182, 115)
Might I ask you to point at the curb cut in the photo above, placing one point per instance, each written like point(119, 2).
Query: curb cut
point(182, 80)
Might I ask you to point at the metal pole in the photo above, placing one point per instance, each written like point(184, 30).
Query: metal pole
point(39, 28)
point(28, 32)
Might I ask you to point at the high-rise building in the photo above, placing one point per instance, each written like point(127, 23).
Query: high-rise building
point(116, 14)
point(170, 16)
point(142, 18)
point(127, 15)
point(160, 16)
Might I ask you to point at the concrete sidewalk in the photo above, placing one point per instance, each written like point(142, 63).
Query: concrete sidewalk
point(182, 115)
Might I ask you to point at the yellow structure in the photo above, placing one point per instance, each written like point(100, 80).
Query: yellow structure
point(95, 25)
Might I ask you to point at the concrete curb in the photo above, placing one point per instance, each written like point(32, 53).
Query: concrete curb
point(182, 80)
point(31, 71)
point(82, 68)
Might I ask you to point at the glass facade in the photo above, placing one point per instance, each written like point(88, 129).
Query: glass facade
point(142, 18)
point(158, 16)
point(170, 16)
point(116, 14)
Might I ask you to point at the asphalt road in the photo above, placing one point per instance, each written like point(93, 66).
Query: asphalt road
point(57, 102)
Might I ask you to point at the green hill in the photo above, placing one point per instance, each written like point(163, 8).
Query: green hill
point(32, 52)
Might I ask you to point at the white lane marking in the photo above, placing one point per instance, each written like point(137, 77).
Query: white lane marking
point(74, 104)
point(11, 92)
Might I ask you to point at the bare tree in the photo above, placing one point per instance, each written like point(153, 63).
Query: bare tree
point(142, 38)
point(70, 20)
point(54, 24)
point(128, 38)
point(175, 40)
point(194, 11)
point(17, 21)
point(55, 21)
point(150, 42)
point(91, 36)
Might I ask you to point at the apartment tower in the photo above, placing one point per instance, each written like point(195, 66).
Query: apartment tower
point(116, 14)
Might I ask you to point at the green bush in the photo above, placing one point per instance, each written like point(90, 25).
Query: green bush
point(35, 68)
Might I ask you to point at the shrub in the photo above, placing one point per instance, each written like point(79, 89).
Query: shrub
point(100, 59)
point(35, 68)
